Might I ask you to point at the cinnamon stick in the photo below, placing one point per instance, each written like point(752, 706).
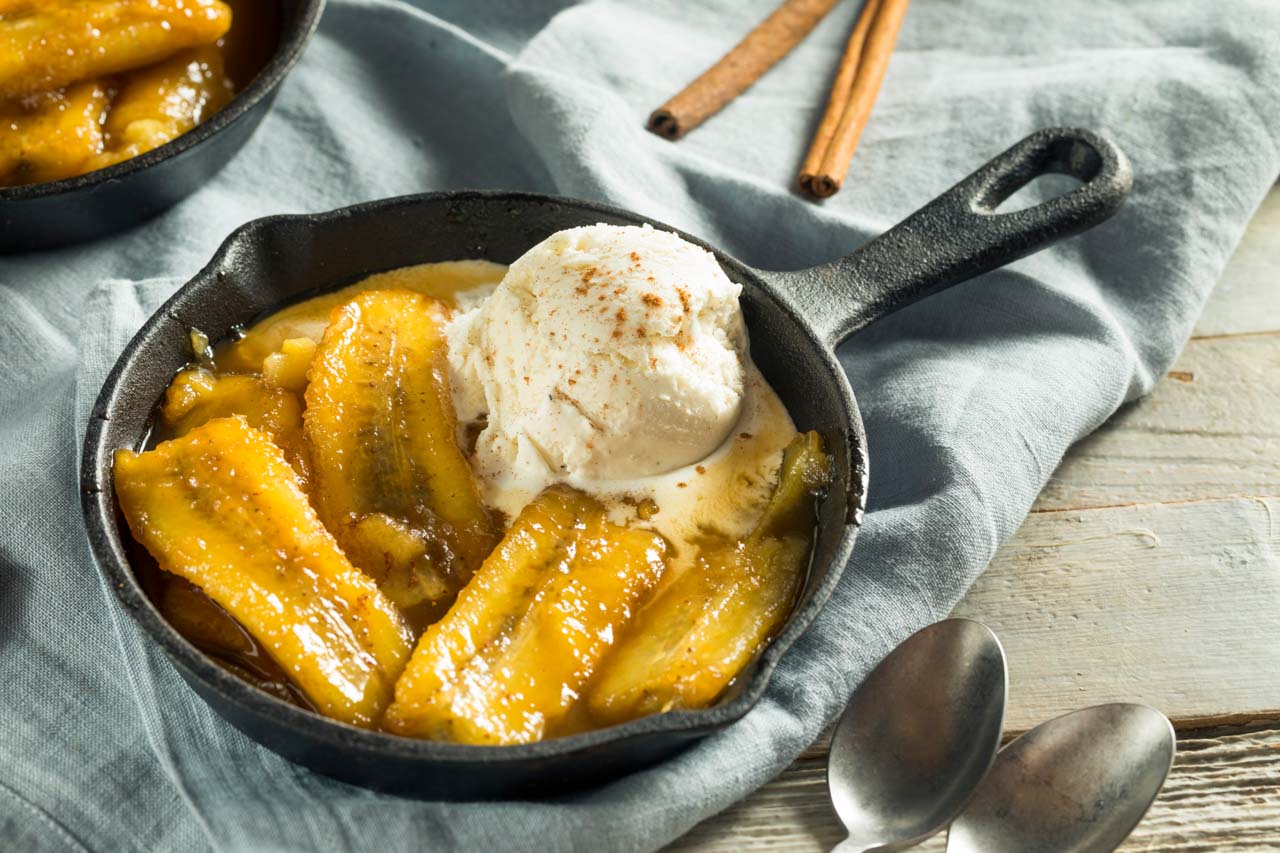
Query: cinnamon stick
point(838, 100)
point(763, 47)
point(874, 62)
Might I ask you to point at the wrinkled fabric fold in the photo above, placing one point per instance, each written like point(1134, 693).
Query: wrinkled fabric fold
point(969, 398)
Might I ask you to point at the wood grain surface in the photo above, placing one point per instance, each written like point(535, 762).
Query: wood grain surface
point(1149, 570)
point(1155, 603)
point(1222, 795)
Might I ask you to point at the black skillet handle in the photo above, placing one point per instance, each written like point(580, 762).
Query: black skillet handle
point(959, 235)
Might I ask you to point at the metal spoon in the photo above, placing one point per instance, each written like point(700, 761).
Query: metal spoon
point(918, 736)
point(1076, 784)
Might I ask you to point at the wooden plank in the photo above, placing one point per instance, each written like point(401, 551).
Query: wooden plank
point(1176, 605)
point(1244, 300)
point(1222, 795)
point(1193, 467)
point(1210, 429)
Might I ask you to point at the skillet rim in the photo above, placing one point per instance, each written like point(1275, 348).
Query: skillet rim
point(289, 50)
point(99, 507)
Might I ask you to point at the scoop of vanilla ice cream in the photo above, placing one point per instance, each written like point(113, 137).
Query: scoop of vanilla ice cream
point(607, 353)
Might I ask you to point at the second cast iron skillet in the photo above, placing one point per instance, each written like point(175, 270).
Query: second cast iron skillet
point(795, 320)
point(92, 205)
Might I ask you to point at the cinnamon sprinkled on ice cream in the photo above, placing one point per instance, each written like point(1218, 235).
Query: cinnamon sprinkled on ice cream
point(669, 383)
point(608, 357)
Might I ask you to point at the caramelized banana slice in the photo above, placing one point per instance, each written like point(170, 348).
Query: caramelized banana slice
point(412, 566)
point(288, 367)
point(685, 647)
point(222, 508)
point(703, 627)
point(197, 396)
point(383, 439)
point(53, 136)
point(160, 103)
point(508, 661)
point(212, 630)
point(487, 608)
point(48, 44)
point(805, 472)
point(440, 281)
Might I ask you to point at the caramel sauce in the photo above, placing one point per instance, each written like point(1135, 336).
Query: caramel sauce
point(252, 41)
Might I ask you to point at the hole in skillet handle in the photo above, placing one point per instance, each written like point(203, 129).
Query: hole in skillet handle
point(1037, 191)
point(1070, 156)
point(975, 238)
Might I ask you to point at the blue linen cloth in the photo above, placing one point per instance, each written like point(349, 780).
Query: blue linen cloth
point(970, 398)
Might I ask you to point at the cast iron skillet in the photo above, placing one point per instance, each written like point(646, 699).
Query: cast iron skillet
point(59, 213)
point(795, 321)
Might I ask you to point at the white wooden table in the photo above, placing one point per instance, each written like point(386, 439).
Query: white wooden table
point(1148, 571)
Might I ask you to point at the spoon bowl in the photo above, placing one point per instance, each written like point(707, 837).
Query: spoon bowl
point(918, 736)
point(1079, 783)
